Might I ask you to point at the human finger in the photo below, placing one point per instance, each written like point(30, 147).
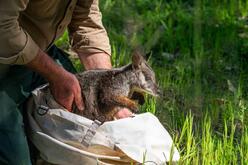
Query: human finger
point(123, 113)
point(67, 103)
point(78, 99)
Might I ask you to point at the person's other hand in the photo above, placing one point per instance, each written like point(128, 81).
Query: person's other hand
point(65, 89)
point(123, 113)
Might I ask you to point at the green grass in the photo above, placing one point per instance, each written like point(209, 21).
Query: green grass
point(199, 51)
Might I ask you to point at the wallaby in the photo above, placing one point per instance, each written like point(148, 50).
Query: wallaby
point(106, 91)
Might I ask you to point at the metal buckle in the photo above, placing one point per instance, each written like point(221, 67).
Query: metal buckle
point(42, 110)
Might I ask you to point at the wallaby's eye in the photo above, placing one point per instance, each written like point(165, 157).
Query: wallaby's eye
point(148, 78)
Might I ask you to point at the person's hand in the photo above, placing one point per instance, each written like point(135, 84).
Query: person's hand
point(64, 86)
point(66, 90)
point(123, 113)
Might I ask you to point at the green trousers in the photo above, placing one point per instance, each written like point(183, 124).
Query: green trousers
point(15, 88)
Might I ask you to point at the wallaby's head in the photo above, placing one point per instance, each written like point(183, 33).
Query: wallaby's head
point(145, 77)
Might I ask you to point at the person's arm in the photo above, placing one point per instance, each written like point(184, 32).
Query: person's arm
point(64, 85)
point(16, 45)
point(18, 48)
point(88, 35)
point(96, 61)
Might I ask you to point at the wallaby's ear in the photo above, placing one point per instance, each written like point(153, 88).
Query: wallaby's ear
point(137, 59)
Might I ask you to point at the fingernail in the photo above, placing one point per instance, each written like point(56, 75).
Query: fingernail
point(81, 108)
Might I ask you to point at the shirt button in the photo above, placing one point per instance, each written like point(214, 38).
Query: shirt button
point(60, 27)
point(85, 40)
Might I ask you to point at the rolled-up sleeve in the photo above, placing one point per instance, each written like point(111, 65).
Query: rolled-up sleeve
point(16, 45)
point(87, 33)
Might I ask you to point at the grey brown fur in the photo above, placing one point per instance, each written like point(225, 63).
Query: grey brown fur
point(105, 91)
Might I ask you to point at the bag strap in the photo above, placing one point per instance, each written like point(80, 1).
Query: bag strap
point(86, 141)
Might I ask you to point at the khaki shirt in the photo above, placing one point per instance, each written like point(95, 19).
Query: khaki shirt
point(27, 25)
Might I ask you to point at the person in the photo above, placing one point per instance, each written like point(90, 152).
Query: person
point(28, 58)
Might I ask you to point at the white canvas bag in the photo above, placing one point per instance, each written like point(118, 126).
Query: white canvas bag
point(66, 138)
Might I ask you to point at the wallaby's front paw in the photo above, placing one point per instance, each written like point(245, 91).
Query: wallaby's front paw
point(128, 103)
